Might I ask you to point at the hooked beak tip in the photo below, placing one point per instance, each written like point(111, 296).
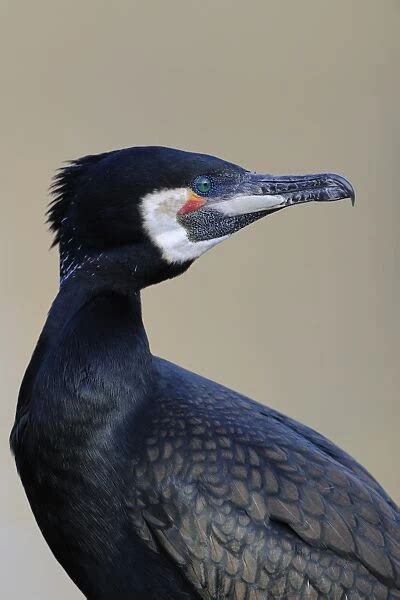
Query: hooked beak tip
point(337, 188)
point(348, 189)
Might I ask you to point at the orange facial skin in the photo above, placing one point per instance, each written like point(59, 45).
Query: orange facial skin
point(194, 202)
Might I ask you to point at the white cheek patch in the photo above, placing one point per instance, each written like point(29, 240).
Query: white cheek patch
point(242, 205)
point(159, 210)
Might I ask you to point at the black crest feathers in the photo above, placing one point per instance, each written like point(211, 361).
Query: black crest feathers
point(64, 188)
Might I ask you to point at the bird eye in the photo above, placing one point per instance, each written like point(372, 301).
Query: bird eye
point(202, 184)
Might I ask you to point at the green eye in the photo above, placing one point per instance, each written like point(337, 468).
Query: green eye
point(202, 184)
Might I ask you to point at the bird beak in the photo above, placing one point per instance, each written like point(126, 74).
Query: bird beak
point(255, 196)
point(259, 193)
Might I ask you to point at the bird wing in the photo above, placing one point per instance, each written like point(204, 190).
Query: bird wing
point(251, 505)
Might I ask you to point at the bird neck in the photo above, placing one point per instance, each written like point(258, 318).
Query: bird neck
point(92, 358)
point(124, 268)
point(94, 327)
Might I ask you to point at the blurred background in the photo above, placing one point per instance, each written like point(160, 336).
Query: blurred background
point(299, 311)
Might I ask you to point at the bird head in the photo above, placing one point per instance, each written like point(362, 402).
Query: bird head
point(164, 208)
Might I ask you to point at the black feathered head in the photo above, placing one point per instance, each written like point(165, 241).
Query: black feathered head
point(169, 203)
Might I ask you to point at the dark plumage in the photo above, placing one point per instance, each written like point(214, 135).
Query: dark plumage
point(148, 481)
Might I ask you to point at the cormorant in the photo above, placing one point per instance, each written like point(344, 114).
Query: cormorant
point(150, 482)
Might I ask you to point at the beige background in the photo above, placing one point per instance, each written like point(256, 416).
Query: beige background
point(299, 311)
